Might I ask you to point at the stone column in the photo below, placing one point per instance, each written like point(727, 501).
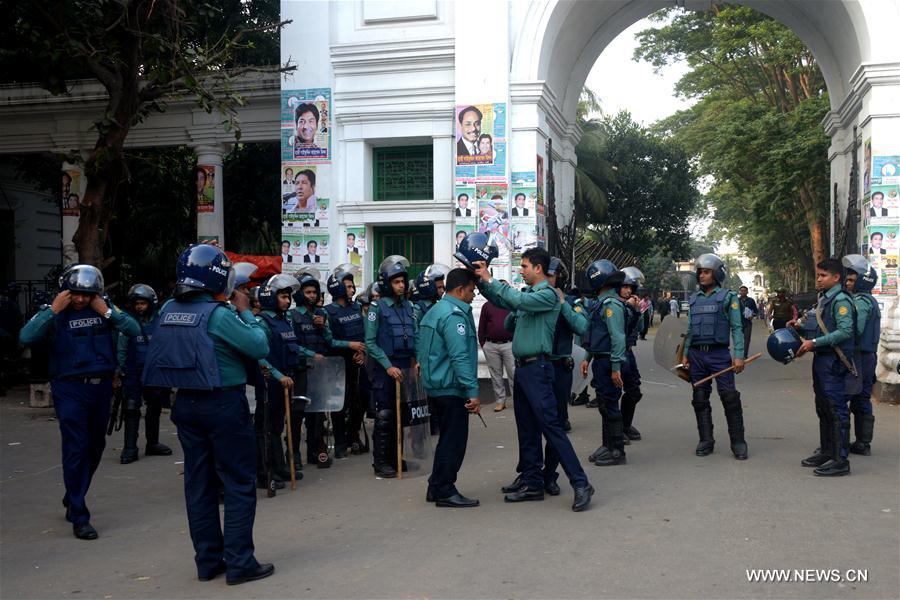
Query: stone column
point(210, 209)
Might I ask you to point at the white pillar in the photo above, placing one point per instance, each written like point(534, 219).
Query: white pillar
point(72, 193)
point(210, 216)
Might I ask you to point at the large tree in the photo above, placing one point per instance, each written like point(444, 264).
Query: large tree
point(755, 128)
point(143, 52)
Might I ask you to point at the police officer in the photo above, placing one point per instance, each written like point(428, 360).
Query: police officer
point(346, 322)
point(448, 356)
point(714, 313)
point(833, 352)
point(132, 352)
point(79, 326)
point(861, 278)
point(315, 340)
point(631, 376)
point(534, 399)
point(275, 297)
point(391, 331)
point(429, 288)
point(604, 341)
point(199, 346)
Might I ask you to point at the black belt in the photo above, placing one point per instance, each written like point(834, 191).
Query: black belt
point(826, 351)
point(708, 347)
point(497, 341)
point(599, 354)
point(96, 380)
point(529, 359)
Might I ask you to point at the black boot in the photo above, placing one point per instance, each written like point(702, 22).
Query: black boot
point(734, 415)
point(151, 432)
point(838, 465)
point(703, 412)
point(616, 452)
point(629, 404)
point(865, 429)
point(603, 449)
point(823, 453)
point(382, 440)
point(132, 422)
point(579, 400)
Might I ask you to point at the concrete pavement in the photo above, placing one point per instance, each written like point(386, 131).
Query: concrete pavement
point(666, 525)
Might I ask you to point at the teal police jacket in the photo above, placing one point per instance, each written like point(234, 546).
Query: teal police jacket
point(448, 349)
point(609, 309)
point(843, 316)
point(536, 308)
point(732, 310)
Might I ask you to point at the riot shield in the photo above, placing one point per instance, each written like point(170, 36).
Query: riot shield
point(579, 383)
point(413, 427)
point(667, 346)
point(325, 385)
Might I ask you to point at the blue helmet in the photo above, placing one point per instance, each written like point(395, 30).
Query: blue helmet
point(711, 261)
point(426, 282)
point(558, 269)
point(866, 275)
point(268, 292)
point(84, 279)
point(392, 267)
point(633, 278)
point(243, 272)
point(603, 273)
point(141, 291)
point(204, 268)
point(783, 345)
point(475, 247)
point(307, 277)
point(366, 296)
point(335, 282)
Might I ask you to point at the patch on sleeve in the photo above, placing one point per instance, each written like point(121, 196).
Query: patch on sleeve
point(734, 305)
point(842, 310)
point(609, 313)
point(371, 316)
point(461, 328)
point(578, 309)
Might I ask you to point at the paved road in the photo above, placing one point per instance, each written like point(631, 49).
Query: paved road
point(668, 524)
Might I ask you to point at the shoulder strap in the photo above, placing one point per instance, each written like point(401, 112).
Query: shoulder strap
point(840, 353)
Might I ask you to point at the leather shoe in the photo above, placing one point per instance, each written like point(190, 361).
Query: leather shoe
point(260, 572)
point(704, 448)
point(567, 426)
point(833, 468)
point(216, 571)
point(457, 500)
point(84, 531)
point(524, 495)
point(552, 488)
point(633, 434)
point(499, 406)
point(739, 450)
point(385, 471)
point(516, 486)
point(157, 449)
point(582, 498)
point(429, 496)
point(816, 460)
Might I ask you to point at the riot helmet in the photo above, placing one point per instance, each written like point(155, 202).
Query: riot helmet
point(141, 291)
point(83, 279)
point(603, 273)
point(713, 262)
point(204, 268)
point(268, 291)
point(426, 287)
point(476, 247)
point(339, 275)
point(783, 345)
point(392, 267)
point(307, 277)
point(634, 278)
point(243, 272)
point(866, 275)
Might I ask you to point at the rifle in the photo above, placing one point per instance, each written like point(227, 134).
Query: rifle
point(116, 414)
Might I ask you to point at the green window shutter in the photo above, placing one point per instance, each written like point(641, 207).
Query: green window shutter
point(404, 173)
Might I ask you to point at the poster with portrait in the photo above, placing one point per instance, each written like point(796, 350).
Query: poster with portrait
point(70, 195)
point(205, 180)
point(355, 245)
point(883, 206)
point(867, 166)
point(465, 204)
point(523, 207)
point(481, 142)
point(885, 170)
point(883, 251)
point(306, 125)
point(301, 204)
point(523, 237)
point(493, 209)
point(304, 249)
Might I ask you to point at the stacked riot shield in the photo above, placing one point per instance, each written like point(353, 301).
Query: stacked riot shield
point(668, 347)
point(415, 453)
point(579, 383)
point(325, 384)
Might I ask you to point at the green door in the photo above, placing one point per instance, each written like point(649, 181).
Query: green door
point(416, 243)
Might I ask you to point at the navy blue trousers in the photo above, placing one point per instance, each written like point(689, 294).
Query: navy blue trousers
point(861, 403)
point(608, 395)
point(219, 444)
point(82, 410)
point(705, 363)
point(562, 388)
point(453, 420)
point(631, 376)
point(534, 403)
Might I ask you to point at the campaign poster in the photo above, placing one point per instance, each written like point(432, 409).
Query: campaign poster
point(205, 180)
point(465, 204)
point(69, 198)
point(867, 166)
point(306, 125)
point(883, 251)
point(481, 142)
point(524, 203)
point(885, 170)
point(524, 237)
point(493, 209)
point(304, 249)
point(460, 232)
point(355, 246)
point(300, 205)
point(883, 206)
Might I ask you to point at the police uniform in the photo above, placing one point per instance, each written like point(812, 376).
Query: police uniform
point(712, 317)
point(537, 311)
point(570, 322)
point(391, 331)
point(132, 353)
point(82, 363)
point(313, 339)
point(831, 378)
point(869, 332)
point(448, 355)
point(346, 322)
point(605, 341)
point(631, 376)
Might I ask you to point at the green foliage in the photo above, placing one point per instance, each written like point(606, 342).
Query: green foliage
point(252, 216)
point(755, 129)
point(659, 273)
point(646, 181)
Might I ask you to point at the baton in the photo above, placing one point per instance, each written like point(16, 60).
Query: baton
point(723, 371)
point(399, 435)
point(482, 419)
point(290, 437)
